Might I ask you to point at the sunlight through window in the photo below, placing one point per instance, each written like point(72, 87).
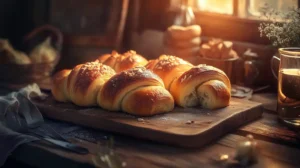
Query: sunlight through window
point(243, 8)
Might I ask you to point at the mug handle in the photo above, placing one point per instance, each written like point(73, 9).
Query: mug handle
point(275, 61)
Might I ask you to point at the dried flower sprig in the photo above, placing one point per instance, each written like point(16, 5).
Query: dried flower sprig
point(281, 28)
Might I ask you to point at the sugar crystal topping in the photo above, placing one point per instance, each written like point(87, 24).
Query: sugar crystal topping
point(185, 77)
point(88, 72)
point(96, 67)
point(130, 52)
point(168, 62)
point(135, 71)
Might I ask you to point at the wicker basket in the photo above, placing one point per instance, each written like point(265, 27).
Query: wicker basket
point(30, 73)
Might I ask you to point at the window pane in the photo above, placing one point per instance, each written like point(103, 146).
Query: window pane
point(245, 8)
point(217, 6)
point(279, 5)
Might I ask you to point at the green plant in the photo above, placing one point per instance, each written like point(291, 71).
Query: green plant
point(281, 28)
point(106, 157)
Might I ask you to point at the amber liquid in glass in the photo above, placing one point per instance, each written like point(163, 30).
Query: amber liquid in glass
point(288, 106)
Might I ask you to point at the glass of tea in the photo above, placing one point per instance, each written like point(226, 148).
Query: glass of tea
point(288, 99)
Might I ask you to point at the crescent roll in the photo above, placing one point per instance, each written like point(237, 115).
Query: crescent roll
point(192, 85)
point(122, 62)
point(137, 91)
point(188, 91)
point(168, 68)
point(59, 85)
point(86, 80)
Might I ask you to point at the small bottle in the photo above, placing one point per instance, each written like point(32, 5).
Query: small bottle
point(182, 38)
point(185, 16)
point(252, 68)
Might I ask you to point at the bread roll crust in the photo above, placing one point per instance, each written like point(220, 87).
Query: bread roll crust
point(59, 85)
point(151, 64)
point(122, 62)
point(86, 80)
point(183, 33)
point(184, 88)
point(147, 101)
point(168, 68)
point(103, 58)
point(188, 54)
point(213, 94)
point(113, 91)
point(110, 59)
point(128, 60)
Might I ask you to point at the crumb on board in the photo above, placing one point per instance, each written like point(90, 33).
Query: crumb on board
point(190, 122)
point(224, 157)
point(141, 120)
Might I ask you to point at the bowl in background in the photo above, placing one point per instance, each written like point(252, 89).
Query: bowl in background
point(227, 65)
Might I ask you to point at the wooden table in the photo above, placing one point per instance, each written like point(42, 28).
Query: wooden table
point(278, 147)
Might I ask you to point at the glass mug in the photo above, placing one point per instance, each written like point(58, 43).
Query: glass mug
point(288, 99)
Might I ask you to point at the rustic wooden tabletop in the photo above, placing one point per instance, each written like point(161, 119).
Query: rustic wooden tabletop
point(277, 146)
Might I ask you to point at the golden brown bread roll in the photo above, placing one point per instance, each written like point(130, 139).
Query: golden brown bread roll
point(184, 81)
point(137, 91)
point(218, 49)
point(205, 50)
point(86, 80)
point(213, 94)
point(168, 68)
point(121, 62)
point(109, 59)
point(189, 54)
point(59, 85)
point(185, 88)
point(129, 60)
point(147, 101)
point(183, 33)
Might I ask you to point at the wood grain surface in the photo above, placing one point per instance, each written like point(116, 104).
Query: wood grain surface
point(186, 127)
point(278, 147)
point(137, 153)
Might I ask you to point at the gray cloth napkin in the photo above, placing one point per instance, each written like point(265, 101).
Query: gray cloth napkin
point(17, 111)
point(9, 141)
point(11, 105)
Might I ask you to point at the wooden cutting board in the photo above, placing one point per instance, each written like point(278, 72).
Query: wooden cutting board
point(186, 127)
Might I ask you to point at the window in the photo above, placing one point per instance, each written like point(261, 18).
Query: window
point(236, 20)
point(217, 6)
point(241, 8)
point(253, 6)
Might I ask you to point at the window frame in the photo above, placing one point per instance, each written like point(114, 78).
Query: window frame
point(231, 27)
point(158, 15)
point(235, 12)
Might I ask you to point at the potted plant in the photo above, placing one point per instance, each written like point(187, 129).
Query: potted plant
point(281, 28)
